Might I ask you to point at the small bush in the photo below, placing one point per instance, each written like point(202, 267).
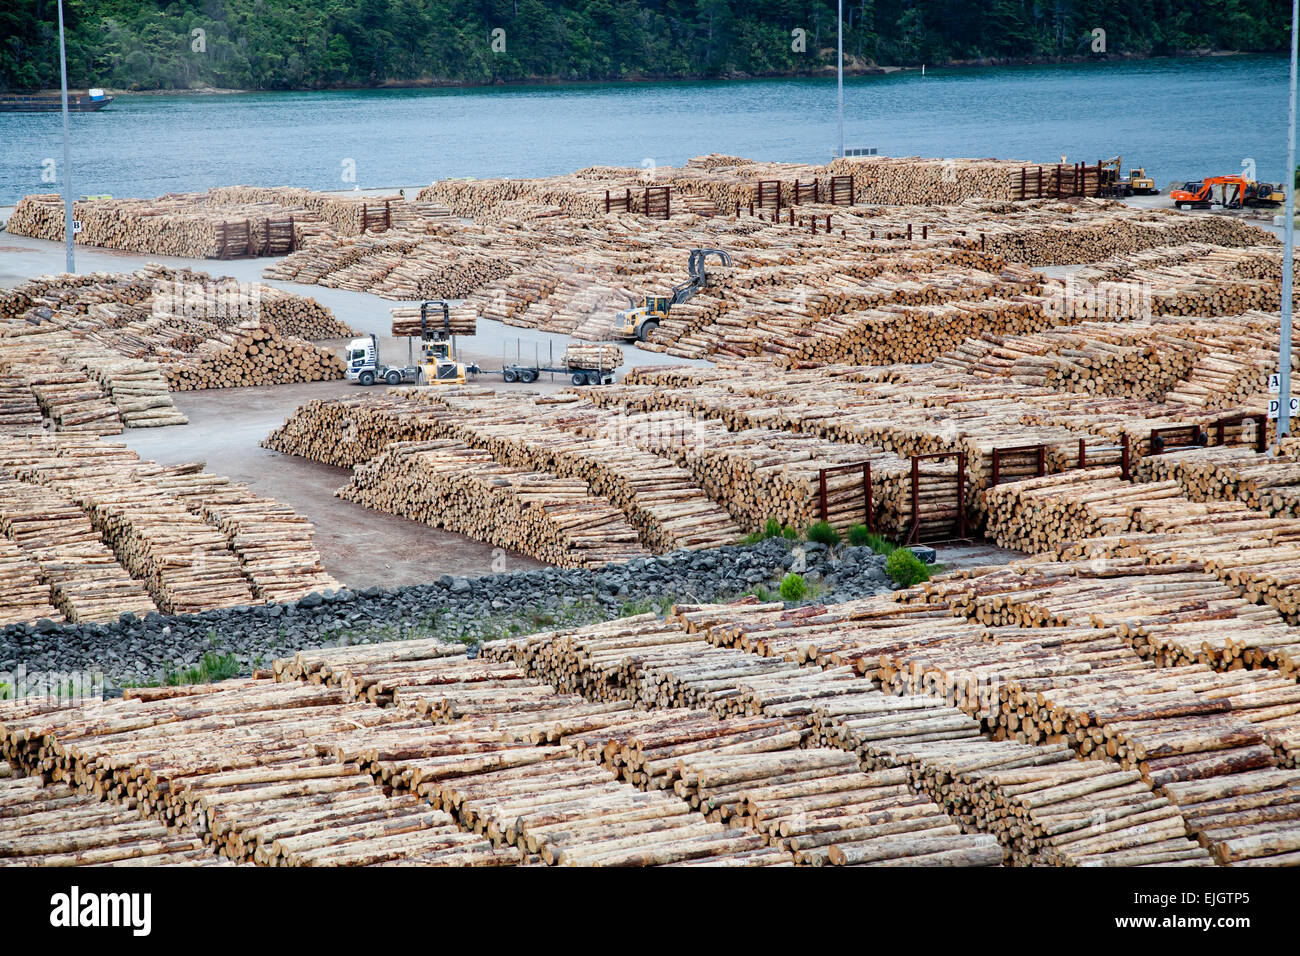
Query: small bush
point(906, 568)
point(772, 529)
point(823, 532)
point(790, 533)
point(793, 587)
point(859, 536)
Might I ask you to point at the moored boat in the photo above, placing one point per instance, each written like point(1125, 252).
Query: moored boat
point(88, 102)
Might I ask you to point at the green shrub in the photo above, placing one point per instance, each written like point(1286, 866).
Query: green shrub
point(790, 533)
point(906, 568)
point(823, 532)
point(772, 529)
point(793, 587)
point(859, 536)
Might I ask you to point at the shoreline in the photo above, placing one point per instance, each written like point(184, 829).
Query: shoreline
point(823, 72)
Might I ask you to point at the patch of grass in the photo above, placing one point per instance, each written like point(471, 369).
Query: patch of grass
point(763, 593)
point(793, 587)
point(860, 536)
point(906, 568)
point(771, 529)
point(213, 668)
point(823, 532)
point(639, 606)
point(5, 691)
point(880, 545)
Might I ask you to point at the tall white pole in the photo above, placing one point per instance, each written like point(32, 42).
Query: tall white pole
point(840, 72)
point(1288, 230)
point(67, 150)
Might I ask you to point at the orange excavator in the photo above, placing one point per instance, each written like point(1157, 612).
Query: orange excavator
point(1235, 192)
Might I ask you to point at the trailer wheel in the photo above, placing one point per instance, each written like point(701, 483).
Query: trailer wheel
point(366, 378)
point(394, 377)
point(510, 375)
point(579, 378)
point(528, 376)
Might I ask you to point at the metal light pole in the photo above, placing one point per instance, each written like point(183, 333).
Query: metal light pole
point(67, 150)
point(840, 76)
point(1288, 230)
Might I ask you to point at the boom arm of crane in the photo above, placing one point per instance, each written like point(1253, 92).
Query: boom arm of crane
point(699, 276)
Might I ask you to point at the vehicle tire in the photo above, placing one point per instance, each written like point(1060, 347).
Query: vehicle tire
point(646, 328)
point(528, 376)
point(1178, 205)
point(579, 378)
point(510, 375)
point(366, 378)
point(393, 378)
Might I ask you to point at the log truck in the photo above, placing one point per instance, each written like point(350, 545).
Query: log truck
point(437, 366)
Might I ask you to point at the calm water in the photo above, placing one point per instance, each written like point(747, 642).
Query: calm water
point(1181, 118)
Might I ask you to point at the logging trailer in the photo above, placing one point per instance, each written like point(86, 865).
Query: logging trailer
point(438, 366)
point(638, 321)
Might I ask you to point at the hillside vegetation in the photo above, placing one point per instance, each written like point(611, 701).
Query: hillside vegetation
point(292, 44)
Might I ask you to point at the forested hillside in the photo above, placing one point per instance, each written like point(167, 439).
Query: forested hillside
point(277, 44)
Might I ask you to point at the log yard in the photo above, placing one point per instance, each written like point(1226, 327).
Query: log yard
point(885, 512)
point(428, 454)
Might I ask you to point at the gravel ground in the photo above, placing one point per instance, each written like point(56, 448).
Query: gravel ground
point(160, 648)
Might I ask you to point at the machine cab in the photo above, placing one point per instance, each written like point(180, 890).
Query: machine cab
point(360, 355)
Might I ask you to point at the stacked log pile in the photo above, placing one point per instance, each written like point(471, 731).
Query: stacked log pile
point(923, 737)
point(406, 321)
point(913, 179)
point(1227, 473)
point(136, 388)
point(175, 225)
point(1131, 360)
point(1220, 729)
point(191, 540)
point(52, 825)
point(105, 353)
point(1242, 547)
point(354, 429)
point(299, 316)
point(274, 544)
point(762, 473)
point(210, 224)
point(85, 580)
point(266, 795)
point(592, 356)
point(661, 501)
point(449, 485)
point(251, 354)
point(25, 597)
